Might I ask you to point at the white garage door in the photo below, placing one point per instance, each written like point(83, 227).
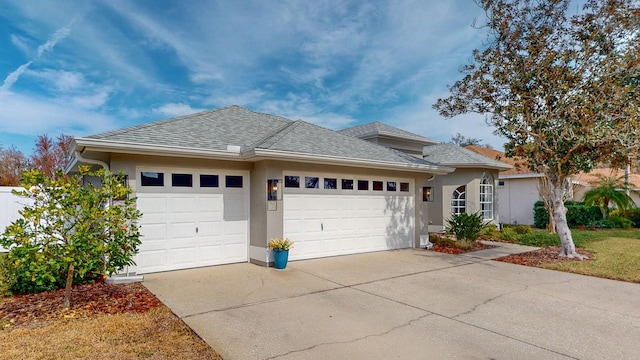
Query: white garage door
point(187, 230)
point(328, 225)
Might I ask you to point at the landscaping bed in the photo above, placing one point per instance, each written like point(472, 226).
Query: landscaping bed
point(106, 321)
point(546, 255)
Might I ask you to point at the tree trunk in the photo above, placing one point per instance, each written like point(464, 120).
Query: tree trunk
point(627, 170)
point(67, 291)
point(568, 248)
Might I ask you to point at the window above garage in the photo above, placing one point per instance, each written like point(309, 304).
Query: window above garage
point(148, 178)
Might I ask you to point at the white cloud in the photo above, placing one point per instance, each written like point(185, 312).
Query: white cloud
point(21, 43)
point(91, 101)
point(14, 76)
point(61, 80)
point(177, 109)
point(29, 115)
point(47, 46)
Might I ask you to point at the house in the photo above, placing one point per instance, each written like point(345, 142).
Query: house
point(470, 188)
point(585, 181)
point(518, 188)
point(215, 186)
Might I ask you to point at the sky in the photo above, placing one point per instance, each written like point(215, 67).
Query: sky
point(86, 67)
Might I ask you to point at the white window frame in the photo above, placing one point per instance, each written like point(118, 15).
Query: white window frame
point(459, 200)
point(486, 196)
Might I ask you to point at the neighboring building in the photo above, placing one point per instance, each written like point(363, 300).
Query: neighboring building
point(585, 181)
point(214, 187)
point(518, 188)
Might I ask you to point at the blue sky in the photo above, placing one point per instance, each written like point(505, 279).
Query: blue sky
point(84, 67)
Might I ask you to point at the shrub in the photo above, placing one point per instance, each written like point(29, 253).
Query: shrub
point(539, 239)
point(490, 232)
point(540, 216)
point(613, 222)
point(633, 215)
point(578, 214)
point(465, 226)
point(508, 234)
point(519, 229)
point(74, 232)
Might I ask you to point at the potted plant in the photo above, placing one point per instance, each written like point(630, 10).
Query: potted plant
point(280, 248)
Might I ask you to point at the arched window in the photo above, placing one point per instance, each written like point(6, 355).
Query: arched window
point(486, 196)
point(459, 200)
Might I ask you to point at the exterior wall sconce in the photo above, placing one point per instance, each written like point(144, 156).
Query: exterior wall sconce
point(427, 193)
point(272, 189)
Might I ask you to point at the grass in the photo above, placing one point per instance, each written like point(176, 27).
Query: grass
point(613, 258)
point(542, 238)
point(616, 253)
point(157, 334)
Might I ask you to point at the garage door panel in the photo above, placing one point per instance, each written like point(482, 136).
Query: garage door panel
point(326, 225)
point(182, 205)
point(235, 208)
point(185, 230)
point(153, 205)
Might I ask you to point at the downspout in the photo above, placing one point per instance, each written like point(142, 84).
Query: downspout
point(91, 161)
point(112, 279)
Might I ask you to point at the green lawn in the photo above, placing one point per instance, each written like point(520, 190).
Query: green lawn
point(615, 253)
point(613, 258)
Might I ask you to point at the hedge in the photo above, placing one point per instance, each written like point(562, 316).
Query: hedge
point(578, 214)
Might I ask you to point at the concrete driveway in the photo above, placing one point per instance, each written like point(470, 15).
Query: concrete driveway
point(404, 304)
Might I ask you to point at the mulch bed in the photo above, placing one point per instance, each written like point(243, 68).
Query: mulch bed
point(454, 250)
point(547, 255)
point(87, 301)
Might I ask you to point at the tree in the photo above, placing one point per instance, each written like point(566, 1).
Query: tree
point(609, 189)
point(461, 140)
point(12, 164)
point(49, 156)
point(73, 231)
point(557, 87)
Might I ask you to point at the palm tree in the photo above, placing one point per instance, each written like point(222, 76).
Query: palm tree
point(609, 189)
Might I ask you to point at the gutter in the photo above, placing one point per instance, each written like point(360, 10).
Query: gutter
point(337, 160)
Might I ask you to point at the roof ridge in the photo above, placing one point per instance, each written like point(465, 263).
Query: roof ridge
point(273, 136)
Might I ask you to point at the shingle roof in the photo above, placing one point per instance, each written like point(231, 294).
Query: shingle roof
point(208, 130)
point(519, 164)
point(377, 128)
point(215, 130)
point(303, 137)
point(456, 156)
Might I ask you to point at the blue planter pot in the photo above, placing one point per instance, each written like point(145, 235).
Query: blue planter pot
point(280, 258)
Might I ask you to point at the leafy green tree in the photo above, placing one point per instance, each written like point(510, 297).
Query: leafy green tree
point(73, 231)
point(558, 87)
point(608, 190)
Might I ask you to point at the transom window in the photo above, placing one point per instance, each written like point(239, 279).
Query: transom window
point(486, 196)
point(181, 180)
point(149, 178)
point(459, 201)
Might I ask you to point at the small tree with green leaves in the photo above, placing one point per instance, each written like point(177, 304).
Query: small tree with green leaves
point(607, 190)
point(74, 231)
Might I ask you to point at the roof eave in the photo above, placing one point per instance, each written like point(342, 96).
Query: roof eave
point(478, 165)
point(161, 150)
point(337, 160)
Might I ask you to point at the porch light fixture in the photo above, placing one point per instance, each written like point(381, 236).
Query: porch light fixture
point(272, 189)
point(427, 193)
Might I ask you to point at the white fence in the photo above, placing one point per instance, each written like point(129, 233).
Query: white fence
point(10, 204)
